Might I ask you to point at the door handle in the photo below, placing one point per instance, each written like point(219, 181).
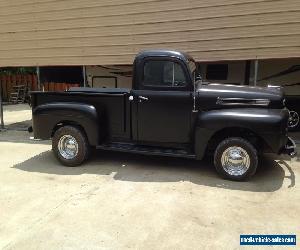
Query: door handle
point(143, 98)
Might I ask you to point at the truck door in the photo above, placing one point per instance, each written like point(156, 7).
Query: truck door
point(163, 102)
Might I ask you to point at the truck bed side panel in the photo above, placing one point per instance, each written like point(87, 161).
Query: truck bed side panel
point(112, 106)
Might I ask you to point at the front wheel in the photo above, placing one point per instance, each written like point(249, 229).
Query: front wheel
point(70, 146)
point(236, 159)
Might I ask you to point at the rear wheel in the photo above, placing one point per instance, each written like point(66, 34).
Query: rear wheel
point(70, 146)
point(236, 159)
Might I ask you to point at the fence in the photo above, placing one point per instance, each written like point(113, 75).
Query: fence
point(52, 86)
point(30, 80)
point(8, 81)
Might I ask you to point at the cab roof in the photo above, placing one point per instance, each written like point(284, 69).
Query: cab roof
point(161, 52)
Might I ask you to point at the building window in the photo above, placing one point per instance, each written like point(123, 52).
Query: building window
point(217, 72)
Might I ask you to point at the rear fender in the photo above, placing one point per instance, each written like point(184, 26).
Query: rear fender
point(47, 117)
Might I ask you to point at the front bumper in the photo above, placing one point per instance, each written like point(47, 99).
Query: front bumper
point(290, 148)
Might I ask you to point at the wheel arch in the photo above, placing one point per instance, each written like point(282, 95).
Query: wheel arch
point(206, 141)
point(64, 123)
point(241, 132)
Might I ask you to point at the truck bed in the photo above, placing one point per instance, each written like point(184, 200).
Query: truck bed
point(112, 106)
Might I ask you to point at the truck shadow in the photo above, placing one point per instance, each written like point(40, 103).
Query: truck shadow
point(21, 126)
point(139, 168)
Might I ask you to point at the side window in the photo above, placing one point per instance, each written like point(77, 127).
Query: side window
point(163, 73)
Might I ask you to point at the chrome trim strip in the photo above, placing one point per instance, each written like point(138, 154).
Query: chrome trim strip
point(242, 101)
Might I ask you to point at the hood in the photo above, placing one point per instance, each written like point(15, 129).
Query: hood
point(216, 96)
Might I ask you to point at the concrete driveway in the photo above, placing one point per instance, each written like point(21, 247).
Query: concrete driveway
point(120, 201)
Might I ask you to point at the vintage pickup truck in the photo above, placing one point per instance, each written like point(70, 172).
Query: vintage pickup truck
point(169, 112)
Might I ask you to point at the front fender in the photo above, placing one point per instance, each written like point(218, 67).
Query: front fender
point(46, 116)
point(268, 124)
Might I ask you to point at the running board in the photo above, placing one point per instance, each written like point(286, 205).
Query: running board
point(146, 150)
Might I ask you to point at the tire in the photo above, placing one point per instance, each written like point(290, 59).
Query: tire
point(236, 159)
point(70, 146)
point(294, 120)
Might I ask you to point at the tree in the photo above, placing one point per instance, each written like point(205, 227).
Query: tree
point(17, 70)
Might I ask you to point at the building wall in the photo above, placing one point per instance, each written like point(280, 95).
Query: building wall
point(93, 32)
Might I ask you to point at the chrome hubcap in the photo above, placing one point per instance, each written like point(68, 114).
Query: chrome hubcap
point(235, 161)
point(293, 119)
point(68, 147)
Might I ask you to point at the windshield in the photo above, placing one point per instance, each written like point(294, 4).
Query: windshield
point(193, 68)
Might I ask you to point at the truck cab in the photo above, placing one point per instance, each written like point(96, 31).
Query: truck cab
point(169, 112)
point(163, 97)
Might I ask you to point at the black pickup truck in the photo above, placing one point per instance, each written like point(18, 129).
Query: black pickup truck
point(170, 112)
